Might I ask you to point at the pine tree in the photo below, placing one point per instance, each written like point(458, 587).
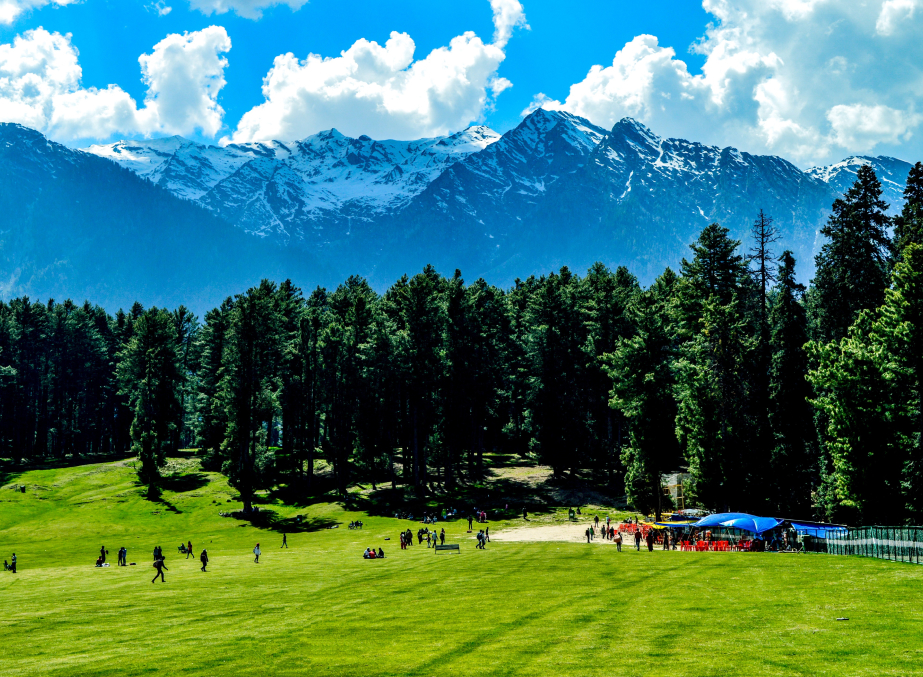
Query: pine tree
point(899, 333)
point(249, 388)
point(908, 226)
point(605, 299)
point(715, 422)
point(556, 340)
point(149, 375)
point(641, 369)
point(853, 395)
point(852, 267)
point(211, 413)
point(790, 412)
point(421, 325)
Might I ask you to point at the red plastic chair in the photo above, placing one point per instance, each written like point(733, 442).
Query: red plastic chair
point(701, 546)
point(687, 546)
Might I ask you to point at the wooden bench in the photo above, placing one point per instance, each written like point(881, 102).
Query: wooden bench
point(450, 546)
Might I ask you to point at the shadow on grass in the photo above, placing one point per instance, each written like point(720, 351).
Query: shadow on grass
point(270, 520)
point(9, 476)
point(186, 482)
point(155, 495)
point(300, 494)
point(501, 498)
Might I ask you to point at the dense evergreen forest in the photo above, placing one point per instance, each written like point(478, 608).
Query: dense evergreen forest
point(777, 398)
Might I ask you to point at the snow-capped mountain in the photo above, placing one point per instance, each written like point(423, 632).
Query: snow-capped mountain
point(642, 188)
point(298, 189)
point(555, 190)
point(481, 209)
point(890, 171)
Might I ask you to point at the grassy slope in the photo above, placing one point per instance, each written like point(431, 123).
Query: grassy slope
point(319, 609)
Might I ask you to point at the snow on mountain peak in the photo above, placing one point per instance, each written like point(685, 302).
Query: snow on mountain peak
point(891, 172)
point(322, 172)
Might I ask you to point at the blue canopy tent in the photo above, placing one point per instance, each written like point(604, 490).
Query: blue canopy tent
point(739, 520)
point(817, 529)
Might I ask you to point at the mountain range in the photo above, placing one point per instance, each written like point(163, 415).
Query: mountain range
point(555, 190)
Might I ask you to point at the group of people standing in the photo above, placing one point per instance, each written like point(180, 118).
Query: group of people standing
point(432, 538)
point(607, 532)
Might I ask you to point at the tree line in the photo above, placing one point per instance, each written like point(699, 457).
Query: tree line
point(777, 398)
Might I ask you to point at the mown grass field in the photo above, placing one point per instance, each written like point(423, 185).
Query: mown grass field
point(318, 608)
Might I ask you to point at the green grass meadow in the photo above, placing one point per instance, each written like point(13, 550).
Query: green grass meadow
point(318, 608)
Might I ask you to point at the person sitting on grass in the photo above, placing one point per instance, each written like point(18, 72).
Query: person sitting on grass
point(365, 555)
point(381, 553)
point(99, 561)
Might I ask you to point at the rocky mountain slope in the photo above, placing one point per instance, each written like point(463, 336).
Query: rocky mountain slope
point(77, 226)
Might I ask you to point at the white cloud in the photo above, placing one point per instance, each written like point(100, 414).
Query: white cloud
point(160, 7)
point(380, 90)
point(250, 9)
point(10, 10)
point(892, 13)
point(863, 127)
point(40, 87)
point(508, 14)
point(811, 80)
point(184, 75)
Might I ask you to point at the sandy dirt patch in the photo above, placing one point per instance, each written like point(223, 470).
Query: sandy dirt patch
point(570, 533)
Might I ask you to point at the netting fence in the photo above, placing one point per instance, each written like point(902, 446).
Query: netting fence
point(900, 544)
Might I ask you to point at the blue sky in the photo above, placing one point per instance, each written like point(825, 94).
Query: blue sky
point(812, 80)
point(110, 34)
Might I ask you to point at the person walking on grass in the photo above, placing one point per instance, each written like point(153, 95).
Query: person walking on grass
point(203, 558)
point(487, 534)
point(189, 552)
point(442, 537)
point(161, 567)
point(284, 541)
point(638, 540)
point(650, 540)
point(470, 520)
point(256, 552)
point(13, 564)
point(618, 540)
